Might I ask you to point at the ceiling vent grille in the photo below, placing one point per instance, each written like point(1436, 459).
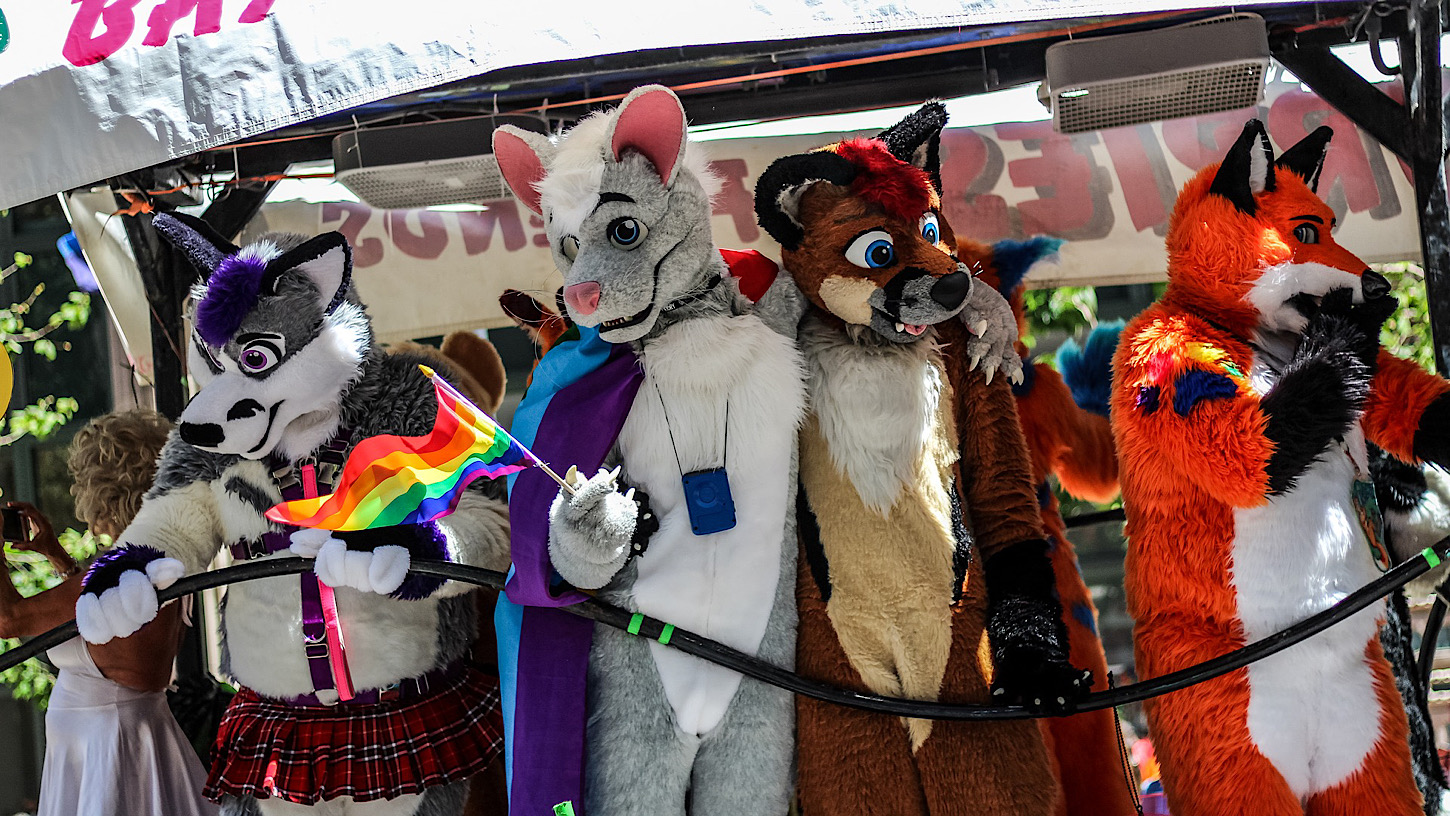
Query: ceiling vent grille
point(425, 165)
point(1197, 68)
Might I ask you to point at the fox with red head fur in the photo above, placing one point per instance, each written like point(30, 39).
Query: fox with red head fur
point(924, 572)
point(1241, 405)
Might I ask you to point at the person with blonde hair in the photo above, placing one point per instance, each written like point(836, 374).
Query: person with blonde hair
point(112, 746)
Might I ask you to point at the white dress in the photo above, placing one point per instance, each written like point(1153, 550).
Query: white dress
point(114, 751)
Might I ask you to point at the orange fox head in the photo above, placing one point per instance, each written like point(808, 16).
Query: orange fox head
point(1250, 244)
point(860, 228)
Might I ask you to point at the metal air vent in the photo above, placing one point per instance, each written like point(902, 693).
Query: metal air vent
point(1202, 67)
point(427, 164)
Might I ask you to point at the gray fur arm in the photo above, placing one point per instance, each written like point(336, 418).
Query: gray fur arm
point(477, 534)
point(782, 306)
point(993, 346)
point(182, 523)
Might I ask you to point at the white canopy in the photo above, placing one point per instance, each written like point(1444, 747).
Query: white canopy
point(93, 88)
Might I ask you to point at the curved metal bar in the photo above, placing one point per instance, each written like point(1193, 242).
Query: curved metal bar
point(1426, 659)
point(1097, 517)
point(751, 666)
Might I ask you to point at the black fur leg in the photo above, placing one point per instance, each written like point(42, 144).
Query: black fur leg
point(1432, 438)
point(420, 540)
point(1029, 640)
point(1395, 638)
point(1319, 395)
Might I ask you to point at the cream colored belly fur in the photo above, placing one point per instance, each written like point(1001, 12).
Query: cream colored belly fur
point(891, 574)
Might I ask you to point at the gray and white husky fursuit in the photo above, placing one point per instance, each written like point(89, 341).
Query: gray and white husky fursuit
point(284, 354)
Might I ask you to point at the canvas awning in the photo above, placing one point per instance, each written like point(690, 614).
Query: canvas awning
point(426, 272)
point(94, 88)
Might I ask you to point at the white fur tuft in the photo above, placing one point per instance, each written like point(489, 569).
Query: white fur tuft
point(570, 189)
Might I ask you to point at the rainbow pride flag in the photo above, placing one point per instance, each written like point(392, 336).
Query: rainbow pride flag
point(391, 480)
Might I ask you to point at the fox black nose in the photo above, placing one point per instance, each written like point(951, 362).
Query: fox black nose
point(202, 434)
point(950, 290)
point(1374, 285)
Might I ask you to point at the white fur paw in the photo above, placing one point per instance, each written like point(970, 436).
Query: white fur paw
point(590, 531)
point(307, 542)
point(164, 572)
point(120, 610)
point(381, 571)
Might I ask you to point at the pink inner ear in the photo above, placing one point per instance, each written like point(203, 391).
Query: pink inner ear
point(520, 166)
point(654, 125)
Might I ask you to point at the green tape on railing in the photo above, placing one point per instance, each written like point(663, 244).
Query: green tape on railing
point(667, 633)
point(634, 623)
point(1430, 556)
point(564, 809)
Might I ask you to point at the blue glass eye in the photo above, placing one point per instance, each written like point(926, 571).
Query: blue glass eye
point(626, 233)
point(872, 250)
point(930, 229)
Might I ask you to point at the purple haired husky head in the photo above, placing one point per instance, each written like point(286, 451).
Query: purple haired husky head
point(277, 339)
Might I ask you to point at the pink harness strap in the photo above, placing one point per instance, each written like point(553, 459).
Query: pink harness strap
point(336, 651)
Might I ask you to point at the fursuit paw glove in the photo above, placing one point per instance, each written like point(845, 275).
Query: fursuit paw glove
point(1029, 639)
point(1320, 393)
point(993, 327)
point(1364, 319)
point(594, 532)
point(119, 592)
point(376, 560)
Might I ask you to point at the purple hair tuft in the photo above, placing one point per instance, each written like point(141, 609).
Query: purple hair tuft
point(231, 292)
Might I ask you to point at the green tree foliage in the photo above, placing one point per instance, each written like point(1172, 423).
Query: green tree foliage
point(31, 574)
point(1407, 333)
point(24, 331)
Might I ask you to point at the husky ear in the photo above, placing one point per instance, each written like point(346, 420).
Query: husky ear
point(1306, 159)
point(326, 260)
point(196, 239)
point(651, 121)
point(1247, 170)
point(916, 139)
point(779, 190)
point(521, 155)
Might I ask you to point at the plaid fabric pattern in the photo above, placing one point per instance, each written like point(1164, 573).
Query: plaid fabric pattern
point(306, 754)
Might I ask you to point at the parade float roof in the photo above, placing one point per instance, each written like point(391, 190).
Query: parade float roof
point(94, 89)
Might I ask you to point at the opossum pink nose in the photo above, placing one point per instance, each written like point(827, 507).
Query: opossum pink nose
point(583, 298)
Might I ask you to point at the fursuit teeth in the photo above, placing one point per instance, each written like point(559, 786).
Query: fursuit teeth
point(420, 540)
point(107, 570)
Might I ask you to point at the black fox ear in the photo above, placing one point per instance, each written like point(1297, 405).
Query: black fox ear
point(916, 139)
point(1248, 168)
point(326, 260)
point(195, 238)
point(1306, 159)
point(779, 189)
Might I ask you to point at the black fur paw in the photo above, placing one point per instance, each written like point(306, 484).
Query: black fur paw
point(1318, 397)
point(1358, 323)
point(646, 523)
point(1039, 681)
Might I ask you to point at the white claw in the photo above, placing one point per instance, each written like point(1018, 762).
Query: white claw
point(1061, 701)
point(997, 692)
point(629, 494)
point(989, 372)
point(614, 474)
point(1037, 701)
point(976, 358)
point(1018, 377)
point(572, 476)
point(980, 327)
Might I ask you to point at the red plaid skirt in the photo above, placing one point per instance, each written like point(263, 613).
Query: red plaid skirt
point(307, 754)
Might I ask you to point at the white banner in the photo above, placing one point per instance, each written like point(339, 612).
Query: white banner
point(93, 88)
point(1108, 194)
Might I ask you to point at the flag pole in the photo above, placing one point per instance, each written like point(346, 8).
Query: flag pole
point(568, 488)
